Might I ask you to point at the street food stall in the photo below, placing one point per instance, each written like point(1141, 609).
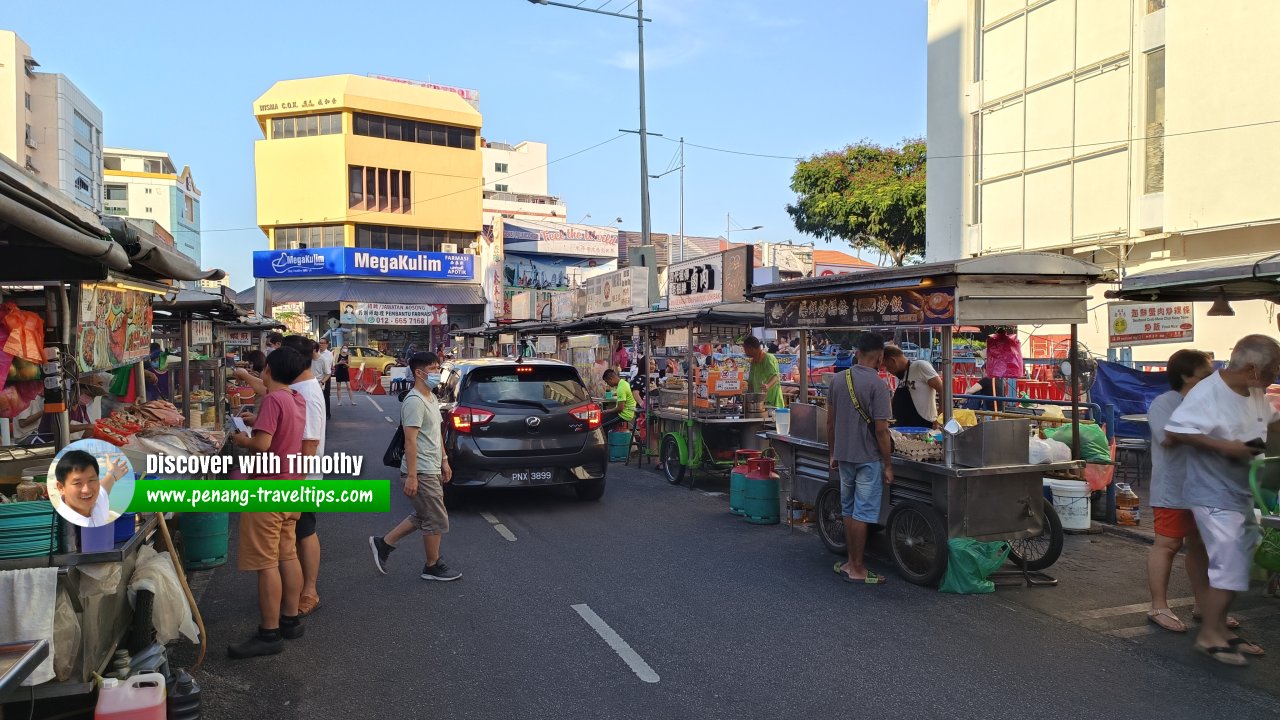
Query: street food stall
point(975, 483)
point(701, 411)
point(197, 324)
point(1221, 281)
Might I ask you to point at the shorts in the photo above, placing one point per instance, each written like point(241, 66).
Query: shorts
point(267, 539)
point(861, 490)
point(306, 525)
point(1177, 523)
point(428, 515)
point(1230, 537)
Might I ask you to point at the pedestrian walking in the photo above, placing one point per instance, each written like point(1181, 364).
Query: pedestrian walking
point(423, 472)
point(1224, 420)
point(858, 414)
point(342, 376)
point(322, 368)
point(1175, 526)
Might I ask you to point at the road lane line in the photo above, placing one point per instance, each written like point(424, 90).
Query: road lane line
point(1124, 610)
point(375, 402)
point(497, 525)
point(620, 646)
point(388, 419)
point(1256, 613)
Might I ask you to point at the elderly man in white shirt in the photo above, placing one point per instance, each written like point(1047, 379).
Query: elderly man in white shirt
point(1223, 419)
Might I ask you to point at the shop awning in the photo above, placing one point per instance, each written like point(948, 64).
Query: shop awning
point(375, 291)
point(1250, 277)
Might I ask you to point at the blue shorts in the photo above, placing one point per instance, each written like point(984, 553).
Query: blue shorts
point(861, 490)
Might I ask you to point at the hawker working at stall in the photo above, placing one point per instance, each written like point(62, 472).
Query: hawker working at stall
point(764, 376)
point(626, 407)
point(915, 402)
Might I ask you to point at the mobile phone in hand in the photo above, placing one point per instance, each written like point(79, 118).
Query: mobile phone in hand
point(1257, 444)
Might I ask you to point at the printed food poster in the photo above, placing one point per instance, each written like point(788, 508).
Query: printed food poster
point(1134, 324)
point(936, 306)
point(115, 327)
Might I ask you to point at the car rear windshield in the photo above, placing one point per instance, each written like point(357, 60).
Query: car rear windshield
point(548, 386)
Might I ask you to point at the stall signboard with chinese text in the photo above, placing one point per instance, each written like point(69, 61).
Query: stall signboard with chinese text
point(114, 327)
point(367, 313)
point(364, 262)
point(201, 332)
point(885, 308)
point(1133, 324)
point(240, 338)
point(623, 290)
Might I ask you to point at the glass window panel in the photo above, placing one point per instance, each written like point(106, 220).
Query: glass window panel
point(424, 132)
point(311, 123)
point(83, 155)
point(393, 128)
point(378, 238)
point(370, 186)
point(382, 189)
point(455, 137)
point(362, 236)
point(377, 126)
point(395, 191)
point(355, 180)
point(1153, 171)
point(361, 124)
point(468, 139)
point(314, 237)
point(439, 136)
point(406, 198)
point(277, 127)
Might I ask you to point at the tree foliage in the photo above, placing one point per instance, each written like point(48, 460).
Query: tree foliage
point(868, 195)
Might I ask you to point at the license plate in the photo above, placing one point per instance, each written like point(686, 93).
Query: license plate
point(533, 477)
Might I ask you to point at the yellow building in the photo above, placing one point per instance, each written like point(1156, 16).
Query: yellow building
point(391, 170)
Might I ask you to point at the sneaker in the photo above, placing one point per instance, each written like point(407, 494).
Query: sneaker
point(262, 643)
point(381, 551)
point(440, 572)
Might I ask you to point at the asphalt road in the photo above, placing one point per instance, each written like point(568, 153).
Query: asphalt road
point(655, 602)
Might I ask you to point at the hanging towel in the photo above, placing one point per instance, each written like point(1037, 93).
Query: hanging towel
point(27, 601)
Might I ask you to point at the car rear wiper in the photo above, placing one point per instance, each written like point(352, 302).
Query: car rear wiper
point(529, 403)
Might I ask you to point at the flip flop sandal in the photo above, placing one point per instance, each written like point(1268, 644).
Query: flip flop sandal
point(870, 579)
point(308, 604)
point(1238, 643)
point(1224, 655)
point(1232, 623)
point(1154, 616)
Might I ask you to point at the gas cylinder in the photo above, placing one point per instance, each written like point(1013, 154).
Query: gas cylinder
point(761, 493)
point(1128, 506)
point(738, 478)
point(184, 698)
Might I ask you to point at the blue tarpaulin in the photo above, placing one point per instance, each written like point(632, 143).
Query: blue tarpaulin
point(1130, 391)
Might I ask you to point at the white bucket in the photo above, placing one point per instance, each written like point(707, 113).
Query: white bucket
point(782, 420)
point(1071, 500)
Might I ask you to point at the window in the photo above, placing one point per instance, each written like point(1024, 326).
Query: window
point(548, 385)
point(26, 100)
point(406, 130)
point(147, 190)
point(111, 163)
point(31, 137)
point(1154, 5)
point(188, 209)
point(395, 191)
point(312, 236)
point(355, 185)
point(84, 130)
point(500, 167)
point(1153, 171)
point(306, 126)
point(82, 154)
point(382, 189)
point(501, 188)
point(378, 189)
point(406, 202)
point(153, 166)
point(115, 192)
point(83, 183)
point(312, 124)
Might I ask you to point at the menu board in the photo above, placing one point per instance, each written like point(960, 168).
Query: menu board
point(1135, 324)
point(884, 308)
point(114, 327)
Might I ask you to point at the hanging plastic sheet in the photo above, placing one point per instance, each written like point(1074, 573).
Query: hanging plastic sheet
point(1130, 391)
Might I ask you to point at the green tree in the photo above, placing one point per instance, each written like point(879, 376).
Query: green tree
point(868, 195)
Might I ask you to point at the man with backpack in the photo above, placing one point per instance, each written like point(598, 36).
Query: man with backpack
point(858, 414)
point(424, 470)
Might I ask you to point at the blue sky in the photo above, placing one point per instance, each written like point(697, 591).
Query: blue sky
point(789, 78)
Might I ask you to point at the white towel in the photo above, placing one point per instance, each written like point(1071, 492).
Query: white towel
point(27, 600)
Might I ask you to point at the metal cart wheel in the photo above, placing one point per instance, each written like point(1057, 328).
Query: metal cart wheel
point(1043, 550)
point(672, 463)
point(830, 520)
point(918, 541)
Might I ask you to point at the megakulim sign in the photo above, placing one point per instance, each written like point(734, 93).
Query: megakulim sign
point(367, 262)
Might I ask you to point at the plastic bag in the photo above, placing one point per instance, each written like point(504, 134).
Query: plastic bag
point(969, 565)
point(1040, 453)
point(66, 637)
point(1004, 357)
point(171, 613)
point(1093, 442)
point(26, 333)
point(1058, 452)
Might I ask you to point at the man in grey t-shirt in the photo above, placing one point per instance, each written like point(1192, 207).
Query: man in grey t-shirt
point(858, 414)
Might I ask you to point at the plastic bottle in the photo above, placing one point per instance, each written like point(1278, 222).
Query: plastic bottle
point(184, 698)
point(141, 697)
point(1128, 506)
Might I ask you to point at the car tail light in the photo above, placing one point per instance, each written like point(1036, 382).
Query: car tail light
point(589, 413)
point(465, 418)
point(524, 369)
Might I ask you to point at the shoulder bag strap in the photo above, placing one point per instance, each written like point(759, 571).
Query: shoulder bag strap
point(848, 381)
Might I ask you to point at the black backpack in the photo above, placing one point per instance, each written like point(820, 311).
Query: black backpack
point(394, 453)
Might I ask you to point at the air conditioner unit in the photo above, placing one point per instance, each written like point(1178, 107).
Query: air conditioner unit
point(449, 247)
point(31, 142)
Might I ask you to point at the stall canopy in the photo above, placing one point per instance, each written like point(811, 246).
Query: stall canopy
point(743, 313)
point(151, 258)
point(375, 291)
point(1249, 277)
point(215, 306)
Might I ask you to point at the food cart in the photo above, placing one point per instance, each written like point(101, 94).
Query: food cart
point(197, 323)
point(980, 484)
point(702, 413)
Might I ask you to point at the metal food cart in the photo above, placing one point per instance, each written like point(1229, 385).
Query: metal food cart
point(692, 432)
point(983, 487)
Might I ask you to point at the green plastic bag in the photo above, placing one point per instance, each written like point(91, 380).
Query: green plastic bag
point(969, 565)
point(1093, 441)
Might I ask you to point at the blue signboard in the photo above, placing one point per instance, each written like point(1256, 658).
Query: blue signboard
point(366, 262)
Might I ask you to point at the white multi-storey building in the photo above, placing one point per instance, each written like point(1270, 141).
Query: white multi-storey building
point(48, 126)
point(1133, 133)
point(146, 184)
point(515, 183)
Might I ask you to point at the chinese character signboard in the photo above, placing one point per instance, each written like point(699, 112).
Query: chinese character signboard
point(201, 332)
point(710, 279)
point(885, 308)
point(624, 290)
point(366, 313)
point(1133, 324)
point(240, 337)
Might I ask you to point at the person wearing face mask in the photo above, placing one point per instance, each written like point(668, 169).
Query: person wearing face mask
point(1219, 422)
point(423, 471)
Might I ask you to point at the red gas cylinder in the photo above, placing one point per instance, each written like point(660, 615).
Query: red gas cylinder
point(761, 495)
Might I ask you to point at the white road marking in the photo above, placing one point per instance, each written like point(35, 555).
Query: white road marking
point(1124, 610)
point(620, 646)
point(497, 525)
point(388, 419)
point(375, 402)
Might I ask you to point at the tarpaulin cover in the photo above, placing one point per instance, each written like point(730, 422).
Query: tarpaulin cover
point(1130, 391)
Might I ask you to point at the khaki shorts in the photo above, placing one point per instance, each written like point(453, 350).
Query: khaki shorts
point(267, 539)
point(429, 515)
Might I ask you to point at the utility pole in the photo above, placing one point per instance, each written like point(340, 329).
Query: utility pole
point(682, 199)
point(646, 237)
